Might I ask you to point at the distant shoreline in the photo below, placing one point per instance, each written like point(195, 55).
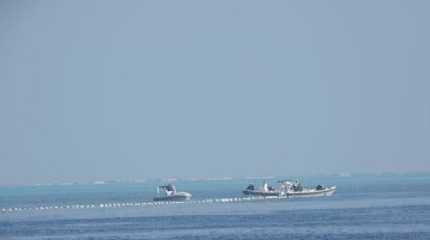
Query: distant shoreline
point(199, 179)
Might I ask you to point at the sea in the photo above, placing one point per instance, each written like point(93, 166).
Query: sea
point(364, 207)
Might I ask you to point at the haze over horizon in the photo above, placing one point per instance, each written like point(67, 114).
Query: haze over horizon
point(105, 90)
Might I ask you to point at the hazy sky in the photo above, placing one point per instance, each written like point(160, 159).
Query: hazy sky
point(95, 90)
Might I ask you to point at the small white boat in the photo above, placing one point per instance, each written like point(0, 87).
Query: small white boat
point(293, 188)
point(264, 191)
point(169, 193)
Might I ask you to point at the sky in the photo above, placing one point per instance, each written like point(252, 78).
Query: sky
point(104, 90)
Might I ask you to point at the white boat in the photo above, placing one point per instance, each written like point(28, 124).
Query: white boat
point(264, 191)
point(293, 188)
point(169, 193)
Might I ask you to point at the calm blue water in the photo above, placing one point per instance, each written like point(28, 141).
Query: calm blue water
point(384, 207)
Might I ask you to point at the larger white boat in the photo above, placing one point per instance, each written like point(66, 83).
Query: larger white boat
point(169, 193)
point(293, 188)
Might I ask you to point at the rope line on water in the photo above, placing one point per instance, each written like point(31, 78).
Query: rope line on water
point(137, 204)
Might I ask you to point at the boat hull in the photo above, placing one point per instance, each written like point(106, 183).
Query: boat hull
point(261, 193)
point(171, 198)
point(312, 193)
point(177, 197)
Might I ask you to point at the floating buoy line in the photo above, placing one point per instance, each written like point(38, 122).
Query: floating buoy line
point(137, 204)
